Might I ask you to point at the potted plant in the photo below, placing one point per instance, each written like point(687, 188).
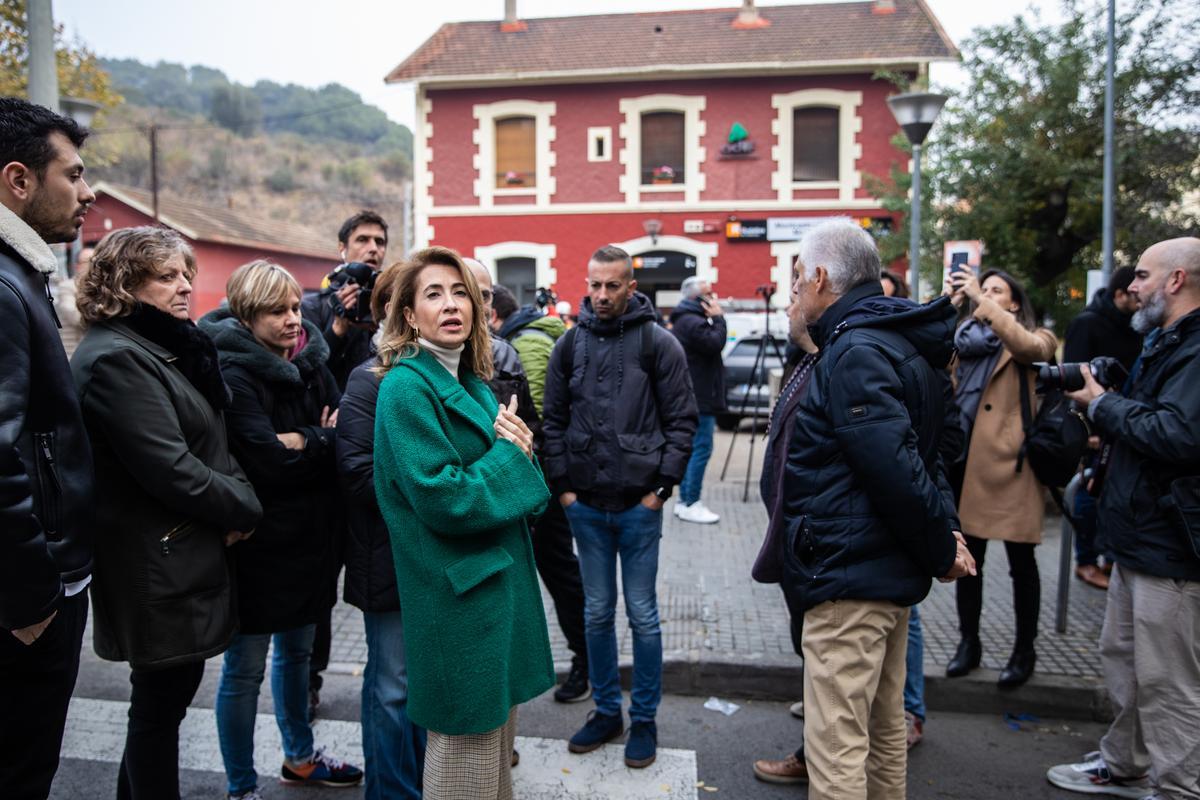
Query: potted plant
point(512, 178)
point(663, 175)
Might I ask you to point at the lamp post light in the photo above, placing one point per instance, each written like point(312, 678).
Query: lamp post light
point(916, 112)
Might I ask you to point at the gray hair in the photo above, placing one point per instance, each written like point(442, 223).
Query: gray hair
point(692, 287)
point(845, 250)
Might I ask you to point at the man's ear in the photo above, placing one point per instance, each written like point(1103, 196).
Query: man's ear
point(633, 286)
point(820, 280)
point(18, 180)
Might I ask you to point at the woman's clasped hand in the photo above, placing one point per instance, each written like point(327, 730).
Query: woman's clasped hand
point(511, 427)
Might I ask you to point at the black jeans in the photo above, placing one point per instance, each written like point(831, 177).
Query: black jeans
point(1027, 591)
point(554, 555)
point(158, 703)
point(36, 682)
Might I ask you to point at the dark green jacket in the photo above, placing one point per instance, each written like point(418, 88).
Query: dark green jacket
point(456, 500)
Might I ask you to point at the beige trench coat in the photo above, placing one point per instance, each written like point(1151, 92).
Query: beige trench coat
point(997, 501)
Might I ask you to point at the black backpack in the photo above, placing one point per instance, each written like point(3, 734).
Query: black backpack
point(1055, 439)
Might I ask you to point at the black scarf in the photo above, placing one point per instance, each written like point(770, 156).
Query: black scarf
point(195, 354)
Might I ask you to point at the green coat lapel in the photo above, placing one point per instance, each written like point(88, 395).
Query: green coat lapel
point(469, 402)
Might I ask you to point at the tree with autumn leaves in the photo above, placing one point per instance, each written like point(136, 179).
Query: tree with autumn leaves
point(79, 71)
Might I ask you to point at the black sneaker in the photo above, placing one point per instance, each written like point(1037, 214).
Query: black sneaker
point(599, 729)
point(640, 749)
point(322, 770)
point(575, 688)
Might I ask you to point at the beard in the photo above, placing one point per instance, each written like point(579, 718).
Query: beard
point(48, 221)
point(1152, 313)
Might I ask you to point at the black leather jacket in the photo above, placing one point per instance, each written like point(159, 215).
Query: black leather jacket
point(45, 458)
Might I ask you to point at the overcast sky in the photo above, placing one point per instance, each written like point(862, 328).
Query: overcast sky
point(357, 42)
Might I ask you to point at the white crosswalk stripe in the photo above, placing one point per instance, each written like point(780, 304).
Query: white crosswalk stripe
point(96, 732)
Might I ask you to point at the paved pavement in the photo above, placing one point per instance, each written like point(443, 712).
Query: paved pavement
point(722, 632)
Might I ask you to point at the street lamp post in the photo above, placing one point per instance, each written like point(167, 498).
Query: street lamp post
point(916, 112)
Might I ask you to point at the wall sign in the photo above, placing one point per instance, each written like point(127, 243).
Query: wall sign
point(746, 230)
point(739, 143)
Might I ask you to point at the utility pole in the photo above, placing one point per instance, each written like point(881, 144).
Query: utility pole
point(154, 168)
point(1109, 179)
point(43, 67)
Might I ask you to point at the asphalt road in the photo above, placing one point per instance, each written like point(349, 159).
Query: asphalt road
point(964, 755)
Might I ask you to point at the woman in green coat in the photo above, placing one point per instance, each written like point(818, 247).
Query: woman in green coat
point(456, 481)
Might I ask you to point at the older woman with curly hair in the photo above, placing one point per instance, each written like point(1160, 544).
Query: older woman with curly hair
point(169, 496)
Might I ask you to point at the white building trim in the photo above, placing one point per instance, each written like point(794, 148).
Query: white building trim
point(630, 132)
point(781, 274)
point(703, 252)
point(594, 134)
point(849, 152)
point(484, 160)
point(545, 274)
point(422, 173)
point(731, 205)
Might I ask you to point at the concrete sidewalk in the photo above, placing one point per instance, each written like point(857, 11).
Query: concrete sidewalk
point(725, 635)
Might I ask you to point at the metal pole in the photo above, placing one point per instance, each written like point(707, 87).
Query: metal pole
point(154, 169)
point(43, 68)
point(1065, 553)
point(1109, 178)
point(914, 233)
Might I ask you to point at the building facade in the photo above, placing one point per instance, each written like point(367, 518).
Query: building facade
point(703, 142)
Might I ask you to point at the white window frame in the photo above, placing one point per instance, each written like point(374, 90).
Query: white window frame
point(595, 134)
point(694, 155)
point(849, 152)
point(703, 252)
point(785, 254)
point(545, 275)
point(484, 137)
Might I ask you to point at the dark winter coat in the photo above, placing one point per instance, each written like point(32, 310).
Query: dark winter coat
point(345, 352)
point(168, 490)
point(1156, 439)
point(703, 338)
point(370, 582)
point(867, 509)
point(46, 528)
point(1102, 330)
point(287, 571)
point(613, 432)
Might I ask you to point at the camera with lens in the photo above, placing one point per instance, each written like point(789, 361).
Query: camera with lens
point(545, 297)
point(357, 274)
point(1108, 372)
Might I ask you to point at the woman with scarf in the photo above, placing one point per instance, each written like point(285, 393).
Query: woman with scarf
point(282, 423)
point(998, 498)
point(169, 496)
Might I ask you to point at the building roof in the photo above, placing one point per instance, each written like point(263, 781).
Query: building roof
point(608, 46)
point(206, 222)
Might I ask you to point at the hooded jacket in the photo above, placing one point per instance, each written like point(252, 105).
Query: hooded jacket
point(703, 339)
point(286, 572)
point(45, 459)
point(614, 432)
point(533, 334)
point(1102, 330)
point(868, 513)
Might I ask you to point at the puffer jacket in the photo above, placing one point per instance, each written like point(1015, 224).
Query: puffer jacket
point(46, 529)
point(533, 334)
point(1156, 439)
point(613, 432)
point(286, 572)
point(703, 338)
point(867, 509)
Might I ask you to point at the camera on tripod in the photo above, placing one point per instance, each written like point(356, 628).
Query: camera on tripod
point(765, 291)
point(1108, 372)
point(357, 274)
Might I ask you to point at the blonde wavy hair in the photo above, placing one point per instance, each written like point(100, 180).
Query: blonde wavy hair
point(259, 286)
point(123, 261)
point(399, 339)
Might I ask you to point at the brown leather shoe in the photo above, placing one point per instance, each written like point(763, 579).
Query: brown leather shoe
point(787, 770)
point(915, 729)
point(1092, 576)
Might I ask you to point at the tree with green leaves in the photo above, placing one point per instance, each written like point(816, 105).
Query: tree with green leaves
point(1017, 157)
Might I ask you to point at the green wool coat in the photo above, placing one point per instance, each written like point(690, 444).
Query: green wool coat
point(455, 499)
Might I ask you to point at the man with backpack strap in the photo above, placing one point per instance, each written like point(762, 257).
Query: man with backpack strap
point(619, 420)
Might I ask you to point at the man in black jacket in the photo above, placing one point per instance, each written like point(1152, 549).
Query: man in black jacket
point(1103, 329)
point(1150, 644)
point(869, 519)
point(620, 416)
point(45, 459)
point(699, 324)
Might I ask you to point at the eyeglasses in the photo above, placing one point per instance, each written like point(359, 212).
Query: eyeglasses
point(487, 295)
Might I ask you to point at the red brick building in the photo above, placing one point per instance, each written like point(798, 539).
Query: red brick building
point(700, 141)
point(223, 238)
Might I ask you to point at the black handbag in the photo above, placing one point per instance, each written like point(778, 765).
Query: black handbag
point(1055, 438)
point(1185, 500)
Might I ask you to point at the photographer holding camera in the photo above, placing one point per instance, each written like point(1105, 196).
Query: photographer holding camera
point(342, 310)
point(1150, 644)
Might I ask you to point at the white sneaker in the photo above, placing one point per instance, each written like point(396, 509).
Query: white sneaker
point(1091, 776)
point(696, 512)
point(679, 507)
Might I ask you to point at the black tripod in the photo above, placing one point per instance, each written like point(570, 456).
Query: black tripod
point(757, 382)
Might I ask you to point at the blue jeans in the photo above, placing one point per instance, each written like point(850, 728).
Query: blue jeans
point(702, 447)
point(393, 747)
point(914, 662)
point(602, 536)
point(1084, 523)
point(237, 700)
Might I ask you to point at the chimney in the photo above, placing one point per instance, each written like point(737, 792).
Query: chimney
point(883, 7)
point(511, 23)
point(749, 18)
